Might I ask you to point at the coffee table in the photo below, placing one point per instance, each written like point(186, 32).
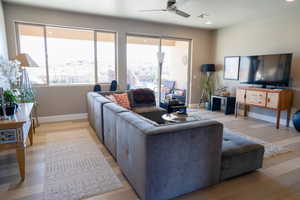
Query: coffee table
point(180, 118)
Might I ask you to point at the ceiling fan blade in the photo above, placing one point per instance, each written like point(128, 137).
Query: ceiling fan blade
point(181, 2)
point(153, 10)
point(181, 13)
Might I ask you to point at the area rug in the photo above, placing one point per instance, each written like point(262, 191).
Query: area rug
point(271, 149)
point(75, 168)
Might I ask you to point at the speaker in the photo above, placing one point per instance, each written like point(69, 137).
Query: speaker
point(296, 120)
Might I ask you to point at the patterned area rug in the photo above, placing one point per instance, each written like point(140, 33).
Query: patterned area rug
point(270, 148)
point(76, 168)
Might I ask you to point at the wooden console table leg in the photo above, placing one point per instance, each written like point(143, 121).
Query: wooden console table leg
point(21, 160)
point(236, 109)
point(278, 119)
point(30, 135)
point(245, 111)
point(288, 117)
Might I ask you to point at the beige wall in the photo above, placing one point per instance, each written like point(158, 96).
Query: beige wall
point(3, 43)
point(271, 35)
point(201, 48)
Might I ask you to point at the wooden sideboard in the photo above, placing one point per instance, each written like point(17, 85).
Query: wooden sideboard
point(273, 99)
point(15, 132)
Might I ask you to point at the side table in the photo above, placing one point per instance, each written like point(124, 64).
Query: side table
point(229, 102)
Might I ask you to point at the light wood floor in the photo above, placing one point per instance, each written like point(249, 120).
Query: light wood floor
point(278, 179)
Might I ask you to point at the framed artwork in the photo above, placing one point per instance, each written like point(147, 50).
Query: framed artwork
point(231, 67)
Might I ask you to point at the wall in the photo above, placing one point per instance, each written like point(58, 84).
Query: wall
point(3, 43)
point(201, 48)
point(278, 34)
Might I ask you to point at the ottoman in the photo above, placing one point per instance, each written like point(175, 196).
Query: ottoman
point(239, 156)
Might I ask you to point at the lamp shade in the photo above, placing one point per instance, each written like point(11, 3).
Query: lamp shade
point(26, 60)
point(208, 68)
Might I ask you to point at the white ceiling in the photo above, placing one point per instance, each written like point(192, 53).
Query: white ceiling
point(222, 12)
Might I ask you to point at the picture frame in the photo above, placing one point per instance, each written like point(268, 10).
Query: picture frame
point(231, 67)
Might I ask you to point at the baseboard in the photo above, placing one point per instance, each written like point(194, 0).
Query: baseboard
point(59, 118)
point(268, 118)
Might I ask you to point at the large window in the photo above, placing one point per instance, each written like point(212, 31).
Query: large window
point(106, 56)
point(68, 55)
point(32, 42)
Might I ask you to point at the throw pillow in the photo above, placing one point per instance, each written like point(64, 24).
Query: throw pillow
point(122, 100)
point(112, 98)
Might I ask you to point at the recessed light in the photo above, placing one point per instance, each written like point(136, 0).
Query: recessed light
point(289, 0)
point(203, 15)
point(208, 22)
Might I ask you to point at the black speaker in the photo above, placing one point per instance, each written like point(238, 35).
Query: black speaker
point(296, 120)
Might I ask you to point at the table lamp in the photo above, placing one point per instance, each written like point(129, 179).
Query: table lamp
point(25, 61)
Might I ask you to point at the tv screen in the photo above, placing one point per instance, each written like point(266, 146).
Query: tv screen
point(266, 69)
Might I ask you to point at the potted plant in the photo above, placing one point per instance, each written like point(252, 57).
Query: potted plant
point(208, 91)
point(10, 101)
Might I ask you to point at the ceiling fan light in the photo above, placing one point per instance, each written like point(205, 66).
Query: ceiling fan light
point(208, 22)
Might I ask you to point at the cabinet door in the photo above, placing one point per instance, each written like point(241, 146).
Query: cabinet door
point(273, 100)
point(256, 98)
point(240, 95)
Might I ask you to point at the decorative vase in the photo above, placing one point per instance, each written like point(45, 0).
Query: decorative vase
point(296, 120)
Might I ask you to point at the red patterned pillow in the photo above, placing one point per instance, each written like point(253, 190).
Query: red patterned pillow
point(122, 100)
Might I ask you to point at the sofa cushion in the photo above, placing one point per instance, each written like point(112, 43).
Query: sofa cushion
point(122, 100)
point(111, 111)
point(142, 97)
point(239, 155)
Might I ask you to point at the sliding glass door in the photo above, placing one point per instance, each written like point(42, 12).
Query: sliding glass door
point(174, 72)
point(142, 65)
point(159, 64)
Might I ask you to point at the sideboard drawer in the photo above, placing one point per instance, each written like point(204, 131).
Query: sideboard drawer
point(273, 100)
point(256, 98)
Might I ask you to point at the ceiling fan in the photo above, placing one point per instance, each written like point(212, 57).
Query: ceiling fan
point(171, 7)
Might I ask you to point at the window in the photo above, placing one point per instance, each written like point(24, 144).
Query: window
point(106, 56)
point(32, 42)
point(71, 54)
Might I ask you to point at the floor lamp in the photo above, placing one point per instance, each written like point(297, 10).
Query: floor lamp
point(25, 85)
point(160, 58)
point(208, 69)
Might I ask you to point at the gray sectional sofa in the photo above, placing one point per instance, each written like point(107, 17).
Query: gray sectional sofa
point(165, 161)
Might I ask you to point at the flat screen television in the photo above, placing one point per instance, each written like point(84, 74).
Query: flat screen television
point(272, 70)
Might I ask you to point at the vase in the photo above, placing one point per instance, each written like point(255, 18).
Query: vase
point(296, 120)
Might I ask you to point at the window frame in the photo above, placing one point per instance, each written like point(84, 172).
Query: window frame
point(96, 66)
